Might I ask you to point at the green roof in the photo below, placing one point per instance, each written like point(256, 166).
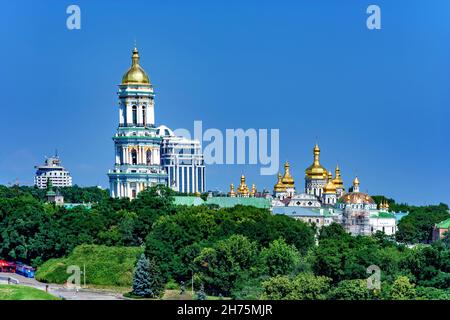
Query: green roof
point(444, 224)
point(223, 202)
point(383, 215)
point(188, 201)
point(227, 202)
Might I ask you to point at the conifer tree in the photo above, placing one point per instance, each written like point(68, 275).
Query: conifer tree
point(147, 280)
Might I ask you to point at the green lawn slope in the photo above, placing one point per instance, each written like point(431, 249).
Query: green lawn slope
point(105, 266)
point(17, 292)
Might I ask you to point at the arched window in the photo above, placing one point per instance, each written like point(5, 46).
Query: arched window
point(133, 156)
point(144, 118)
point(149, 157)
point(134, 111)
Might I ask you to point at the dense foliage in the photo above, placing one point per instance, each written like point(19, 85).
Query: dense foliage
point(240, 252)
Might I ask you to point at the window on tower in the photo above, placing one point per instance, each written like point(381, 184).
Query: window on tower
point(133, 156)
point(149, 157)
point(144, 119)
point(134, 113)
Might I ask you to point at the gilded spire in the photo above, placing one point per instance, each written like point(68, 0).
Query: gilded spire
point(253, 191)
point(232, 193)
point(337, 178)
point(279, 186)
point(356, 185)
point(287, 180)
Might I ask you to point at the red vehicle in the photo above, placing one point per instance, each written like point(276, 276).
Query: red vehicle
point(6, 266)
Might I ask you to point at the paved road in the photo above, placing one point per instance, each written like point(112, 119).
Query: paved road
point(64, 292)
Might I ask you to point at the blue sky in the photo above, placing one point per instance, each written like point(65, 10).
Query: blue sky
point(377, 101)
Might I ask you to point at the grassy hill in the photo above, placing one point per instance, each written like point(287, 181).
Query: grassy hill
point(105, 266)
point(17, 292)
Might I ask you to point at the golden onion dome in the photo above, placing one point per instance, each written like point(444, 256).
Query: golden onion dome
point(279, 186)
point(337, 178)
point(356, 182)
point(232, 193)
point(287, 180)
point(329, 188)
point(316, 171)
point(135, 75)
point(253, 190)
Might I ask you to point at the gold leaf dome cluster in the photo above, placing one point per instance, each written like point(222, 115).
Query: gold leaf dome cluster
point(242, 190)
point(135, 75)
point(316, 171)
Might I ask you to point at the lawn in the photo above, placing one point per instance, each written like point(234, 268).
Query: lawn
point(17, 292)
point(106, 267)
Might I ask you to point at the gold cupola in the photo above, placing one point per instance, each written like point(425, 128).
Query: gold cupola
point(279, 186)
point(329, 188)
point(253, 191)
point(316, 171)
point(232, 193)
point(337, 178)
point(243, 188)
point(287, 180)
point(356, 185)
point(135, 75)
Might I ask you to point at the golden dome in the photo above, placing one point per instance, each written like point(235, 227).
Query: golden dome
point(316, 171)
point(356, 182)
point(287, 180)
point(357, 198)
point(337, 178)
point(253, 191)
point(232, 193)
point(135, 75)
point(279, 186)
point(329, 188)
point(243, 188)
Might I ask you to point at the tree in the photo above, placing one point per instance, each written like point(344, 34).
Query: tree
point(351, 290)
point(402, 289)
point(305, 286)
point(227, 262)
point(280, 258)
point(147, 280)
point(418, 225)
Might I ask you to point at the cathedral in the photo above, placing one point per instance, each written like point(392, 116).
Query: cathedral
point(324, 196)
point(321, 188)
point(146, 155)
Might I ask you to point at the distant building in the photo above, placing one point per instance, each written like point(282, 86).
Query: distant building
point(54, 196)
point(182, 159)
point(54, 172)
point(441, 229)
